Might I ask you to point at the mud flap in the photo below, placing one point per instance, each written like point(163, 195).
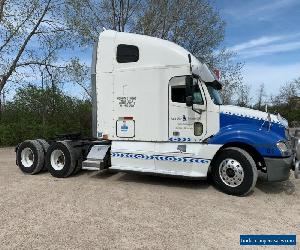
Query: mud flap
point(95, 157)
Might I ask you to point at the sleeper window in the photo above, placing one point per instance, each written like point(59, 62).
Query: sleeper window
point(127, 53)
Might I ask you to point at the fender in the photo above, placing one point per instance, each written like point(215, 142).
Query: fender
point(261, 139)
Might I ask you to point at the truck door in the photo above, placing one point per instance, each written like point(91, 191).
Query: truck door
point(186, 124)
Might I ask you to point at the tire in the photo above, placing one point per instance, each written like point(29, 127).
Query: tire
point(298, 149)
point(78, 164)
point(77, 167)
point(45, 146)
point(61, 159)
point(234, 171)
point(30, 157)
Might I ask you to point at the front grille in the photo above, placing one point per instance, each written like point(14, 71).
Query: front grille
point(294, 142)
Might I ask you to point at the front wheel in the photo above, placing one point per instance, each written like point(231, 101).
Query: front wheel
point(234, 171)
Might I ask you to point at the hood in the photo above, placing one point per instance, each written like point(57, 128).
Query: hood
point(252, 114)
point(256, 128)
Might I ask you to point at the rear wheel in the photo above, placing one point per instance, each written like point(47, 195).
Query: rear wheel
point(61, 159)
point(78, 166)
point(45, 146)
point(234, 171)
point(30, 157)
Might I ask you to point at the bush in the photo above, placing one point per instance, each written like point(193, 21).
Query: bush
point(43, 113)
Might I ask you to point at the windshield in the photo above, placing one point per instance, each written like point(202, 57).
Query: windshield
point(214, 94)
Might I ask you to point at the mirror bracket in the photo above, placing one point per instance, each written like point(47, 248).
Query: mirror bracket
point(189, 101)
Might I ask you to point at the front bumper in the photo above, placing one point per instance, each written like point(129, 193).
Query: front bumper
point(278, 169)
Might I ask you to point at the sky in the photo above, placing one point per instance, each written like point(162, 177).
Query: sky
point(265, 35)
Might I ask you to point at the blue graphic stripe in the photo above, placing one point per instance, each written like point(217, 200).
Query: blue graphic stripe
point(160, 158)
point(180, 139)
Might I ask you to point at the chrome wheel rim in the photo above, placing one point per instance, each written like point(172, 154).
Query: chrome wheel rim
point(231, 172)
point(27, 157)
point(57, 159)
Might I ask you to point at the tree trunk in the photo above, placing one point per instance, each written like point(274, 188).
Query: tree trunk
point(2, 3)
point(2, 103)
point(0, 107)
point(12, 67)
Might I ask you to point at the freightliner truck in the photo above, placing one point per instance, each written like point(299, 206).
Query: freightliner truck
point(157, 110)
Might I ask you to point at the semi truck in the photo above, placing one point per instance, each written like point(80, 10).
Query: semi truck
point(158, 110)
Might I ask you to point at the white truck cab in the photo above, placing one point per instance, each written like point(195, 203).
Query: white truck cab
point(157, 109)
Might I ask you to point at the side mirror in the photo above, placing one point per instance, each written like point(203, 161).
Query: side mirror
point(189, 101)
point(188, 86)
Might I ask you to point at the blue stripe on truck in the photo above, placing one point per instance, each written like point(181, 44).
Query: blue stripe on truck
point(160, 158)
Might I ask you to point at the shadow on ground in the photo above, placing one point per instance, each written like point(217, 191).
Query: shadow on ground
point(154, 180)
point(287, 187)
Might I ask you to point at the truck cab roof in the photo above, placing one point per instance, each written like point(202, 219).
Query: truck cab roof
point(150, 52)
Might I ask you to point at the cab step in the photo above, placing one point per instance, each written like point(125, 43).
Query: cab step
point(91, 164)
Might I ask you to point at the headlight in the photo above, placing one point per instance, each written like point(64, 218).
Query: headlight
point(284, 148)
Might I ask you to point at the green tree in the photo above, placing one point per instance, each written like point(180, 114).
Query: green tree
point(193, 24)
point(32, 35)
point(261, 97)
point(287, 102)
point(42, 113)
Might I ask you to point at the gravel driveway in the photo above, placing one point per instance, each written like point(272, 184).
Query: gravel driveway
point(127, 211)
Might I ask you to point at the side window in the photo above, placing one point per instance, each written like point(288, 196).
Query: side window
point(178, 94)
point(197, 98)
point(127, 53)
